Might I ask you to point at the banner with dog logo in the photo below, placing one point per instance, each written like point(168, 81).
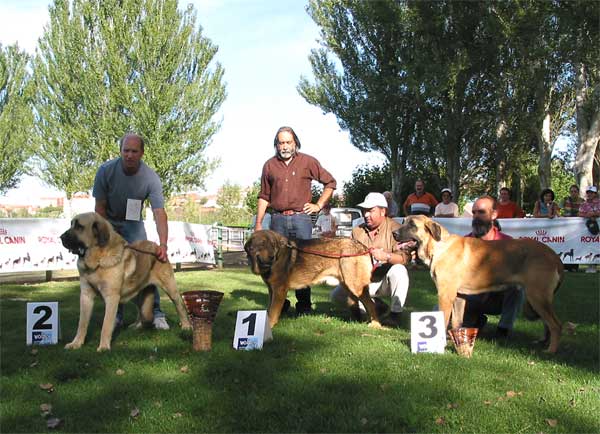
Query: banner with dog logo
point(34, 244)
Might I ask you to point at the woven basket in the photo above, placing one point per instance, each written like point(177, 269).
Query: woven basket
point(464, 340)
point(202, 307)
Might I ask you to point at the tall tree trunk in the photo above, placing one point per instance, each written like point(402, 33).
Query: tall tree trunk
point(500, 155)
point(545, 150)
point(588, 130)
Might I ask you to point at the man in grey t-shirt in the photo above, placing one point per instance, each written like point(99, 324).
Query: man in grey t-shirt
point(120, 188)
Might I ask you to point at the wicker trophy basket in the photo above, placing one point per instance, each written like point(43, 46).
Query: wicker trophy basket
point(464, 340)
point(202, 306)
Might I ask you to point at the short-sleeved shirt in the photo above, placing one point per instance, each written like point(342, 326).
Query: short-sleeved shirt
point(288, 186)
point(383, 237)
point(114, 186)
point(593, 206)
point(420, 204)
point(509, 210)
point(570, 207)
point(450, 208)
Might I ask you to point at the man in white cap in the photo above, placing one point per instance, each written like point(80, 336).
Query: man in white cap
point(591, 207)
point(390, 277)
point(446, 208)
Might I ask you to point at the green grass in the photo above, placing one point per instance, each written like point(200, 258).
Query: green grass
point(322, 373)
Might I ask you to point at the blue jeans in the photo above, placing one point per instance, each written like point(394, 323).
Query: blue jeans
point(135, 231)
point(295, 226)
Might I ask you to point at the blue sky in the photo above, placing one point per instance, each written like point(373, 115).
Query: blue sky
point(264, 47)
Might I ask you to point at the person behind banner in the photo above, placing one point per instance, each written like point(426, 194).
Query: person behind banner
point(121, 187)
point(505, 303)
point(506, 208)
point(569, 206)
point(590, 209)
point(545, 207)
point(392, 205)
point(446, 208)
point(419, 202)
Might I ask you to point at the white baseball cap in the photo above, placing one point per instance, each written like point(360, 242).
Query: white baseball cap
point(373, 200)
point(592, 188)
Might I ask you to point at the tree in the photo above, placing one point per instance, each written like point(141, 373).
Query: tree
point(15, 116)
point(251, 199)
point(231, 213)
point(105, 68)
point(580, 21)
point(372, 97)
point(366, 179)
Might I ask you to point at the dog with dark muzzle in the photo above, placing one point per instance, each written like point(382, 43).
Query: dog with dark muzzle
point(118, 272)
point(473, 266)
point(285, 264)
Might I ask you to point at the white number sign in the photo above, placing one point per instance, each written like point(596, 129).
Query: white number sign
point(427, 332)
point(251, 330)
point(42, 323)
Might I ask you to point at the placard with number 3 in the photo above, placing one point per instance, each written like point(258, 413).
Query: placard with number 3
point(427, 332)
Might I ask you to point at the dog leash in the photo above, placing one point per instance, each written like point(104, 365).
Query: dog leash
point(128, 246)
point(332, 255)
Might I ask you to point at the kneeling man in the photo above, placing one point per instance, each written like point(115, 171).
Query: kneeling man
point(390, 277)
point(505, 303)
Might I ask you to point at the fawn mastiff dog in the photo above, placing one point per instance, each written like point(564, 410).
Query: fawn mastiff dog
point(118, 272)
point(284, 264)
point(474, 266)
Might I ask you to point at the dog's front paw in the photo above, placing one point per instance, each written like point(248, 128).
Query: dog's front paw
point(73, 345)
point(102, 347)
point(376, 325)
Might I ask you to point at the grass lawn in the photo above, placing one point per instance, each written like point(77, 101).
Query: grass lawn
point(322, 373)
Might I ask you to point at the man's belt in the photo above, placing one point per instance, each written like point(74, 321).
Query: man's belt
point(288, 212)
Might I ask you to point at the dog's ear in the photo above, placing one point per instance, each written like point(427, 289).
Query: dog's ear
point(101, 231)
point(434, 229)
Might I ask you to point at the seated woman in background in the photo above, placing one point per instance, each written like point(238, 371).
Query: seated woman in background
point(446, 208)
point(570, 204)
point(545, 207)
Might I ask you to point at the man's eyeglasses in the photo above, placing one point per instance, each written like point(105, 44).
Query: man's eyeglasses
point(479, 211)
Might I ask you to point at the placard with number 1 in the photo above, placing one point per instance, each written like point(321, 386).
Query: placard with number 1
point(251, 330)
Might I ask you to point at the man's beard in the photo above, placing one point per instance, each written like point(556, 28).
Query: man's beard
point(286, 154)
point(481, 227)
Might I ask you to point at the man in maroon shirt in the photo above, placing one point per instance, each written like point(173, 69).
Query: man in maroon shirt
point(285, 187)
point(505, 303)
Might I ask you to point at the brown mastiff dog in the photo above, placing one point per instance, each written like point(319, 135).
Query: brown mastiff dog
point(285, 264)
point(118, 272)
point(474, 266)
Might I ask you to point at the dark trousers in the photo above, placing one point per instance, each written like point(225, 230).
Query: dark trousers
point(295, 226)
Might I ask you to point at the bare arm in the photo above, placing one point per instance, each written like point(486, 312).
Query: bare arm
point(260, 213)
point(162, 227)
point(100, 207)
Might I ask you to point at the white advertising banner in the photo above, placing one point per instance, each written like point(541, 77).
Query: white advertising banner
point(34, 244)
point(568, 236)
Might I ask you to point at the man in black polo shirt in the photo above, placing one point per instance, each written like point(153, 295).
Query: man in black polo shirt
point(285, 187)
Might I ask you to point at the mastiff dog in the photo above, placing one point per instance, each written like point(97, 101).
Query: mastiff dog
point(472, 266)
point(286, 264)
point(118, 272)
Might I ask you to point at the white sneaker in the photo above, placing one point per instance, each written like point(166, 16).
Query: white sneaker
point(160, 323)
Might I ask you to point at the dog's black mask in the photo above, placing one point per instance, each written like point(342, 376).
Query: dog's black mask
point(72, 243)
